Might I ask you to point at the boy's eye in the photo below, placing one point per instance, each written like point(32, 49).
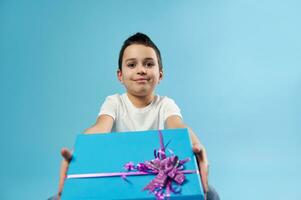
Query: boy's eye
point(131, 65)
point(149, 64)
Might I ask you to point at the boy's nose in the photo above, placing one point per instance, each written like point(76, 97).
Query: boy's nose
point(141, 69)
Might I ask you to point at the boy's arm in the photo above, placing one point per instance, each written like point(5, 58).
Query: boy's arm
point(199, 150)
point(103, 124)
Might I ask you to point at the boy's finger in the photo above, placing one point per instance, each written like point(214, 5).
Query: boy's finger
point(66, 153)
point(196, 149)
point(204, 176)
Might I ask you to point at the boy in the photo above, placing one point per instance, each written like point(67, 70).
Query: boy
point(140, 70)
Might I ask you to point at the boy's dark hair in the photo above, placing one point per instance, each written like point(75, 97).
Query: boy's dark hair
point(139, 38)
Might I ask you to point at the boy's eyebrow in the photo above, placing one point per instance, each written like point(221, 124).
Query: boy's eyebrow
point(149, 59)
point(130, 59)
point(134, 59)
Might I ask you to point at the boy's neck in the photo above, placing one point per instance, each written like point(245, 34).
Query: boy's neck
point(141, 101)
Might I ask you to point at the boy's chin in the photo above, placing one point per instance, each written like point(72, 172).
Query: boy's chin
point(141, 93)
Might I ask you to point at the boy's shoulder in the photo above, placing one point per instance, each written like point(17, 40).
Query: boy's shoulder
point(165, 100)
point(115, 97)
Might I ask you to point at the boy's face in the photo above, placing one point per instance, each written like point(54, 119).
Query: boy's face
point(140, 70)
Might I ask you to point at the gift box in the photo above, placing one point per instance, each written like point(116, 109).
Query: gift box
point(133, 165)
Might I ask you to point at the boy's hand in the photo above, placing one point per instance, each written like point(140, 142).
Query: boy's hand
point(203, 166)
point(67, 155)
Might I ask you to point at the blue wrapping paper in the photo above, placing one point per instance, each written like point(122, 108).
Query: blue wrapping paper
point(107, 153)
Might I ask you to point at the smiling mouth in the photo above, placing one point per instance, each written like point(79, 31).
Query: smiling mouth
point(141, 79)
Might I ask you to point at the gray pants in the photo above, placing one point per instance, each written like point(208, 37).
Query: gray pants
point(211, 195)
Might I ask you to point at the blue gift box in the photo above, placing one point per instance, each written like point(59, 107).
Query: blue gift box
point(108, 153)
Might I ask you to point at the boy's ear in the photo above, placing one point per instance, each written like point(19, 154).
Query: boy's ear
point(160, 75)
point(119, 75)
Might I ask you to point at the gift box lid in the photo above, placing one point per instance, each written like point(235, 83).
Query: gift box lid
point(108, 153)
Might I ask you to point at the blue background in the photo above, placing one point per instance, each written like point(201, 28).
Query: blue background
point(233, 67)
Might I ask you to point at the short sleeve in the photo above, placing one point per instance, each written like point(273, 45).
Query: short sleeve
point(171, 108)
point(109, 107)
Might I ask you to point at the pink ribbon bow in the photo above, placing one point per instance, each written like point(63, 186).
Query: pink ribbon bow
point(167, 170)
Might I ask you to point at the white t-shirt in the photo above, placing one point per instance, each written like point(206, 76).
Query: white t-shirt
point(127, 117)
